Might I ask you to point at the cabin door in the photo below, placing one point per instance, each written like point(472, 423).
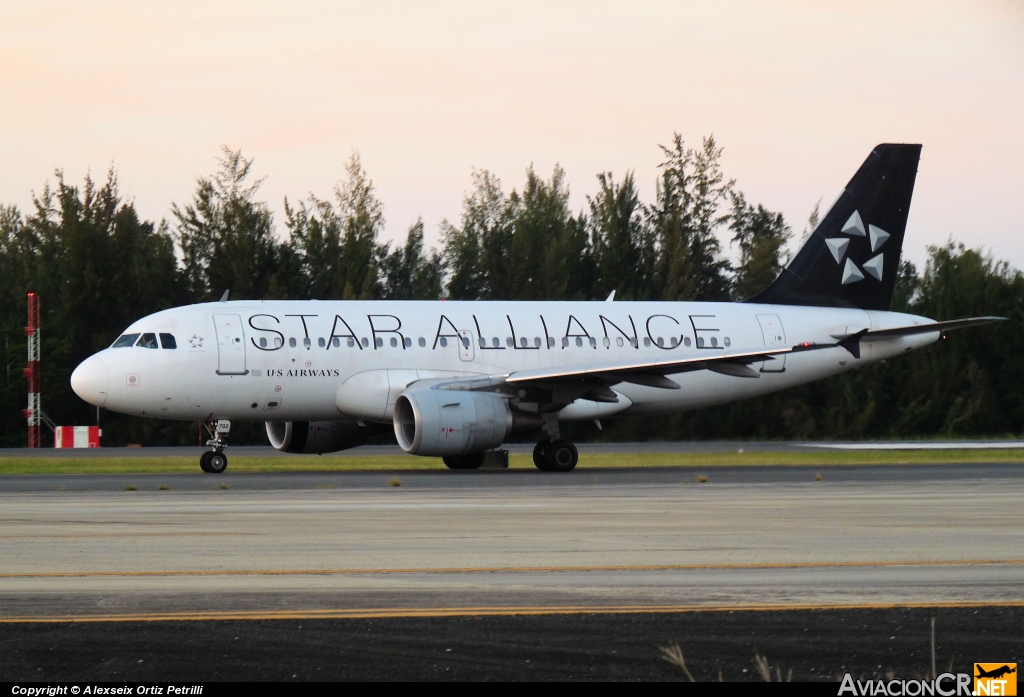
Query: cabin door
point(230, 345)
point(774, 337)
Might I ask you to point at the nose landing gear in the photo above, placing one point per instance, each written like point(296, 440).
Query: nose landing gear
point(215, 461)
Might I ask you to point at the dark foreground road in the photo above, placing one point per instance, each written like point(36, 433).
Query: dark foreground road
point(814, 645)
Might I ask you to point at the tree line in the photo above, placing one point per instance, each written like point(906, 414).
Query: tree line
point(98, 266)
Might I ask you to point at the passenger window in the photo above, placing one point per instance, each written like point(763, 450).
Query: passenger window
point(125, 340)
point(263, 342)
point(606, 341)
point(675, 341)
point(291, 342)
point(686, 340)
point(509, 342)
point(444, 342)
point(593, 342)
point(336, 342)
point(378, 342)
point(167, 341)
point(278, 342)
point(727, 342)
point(394, 342)
point(483, 342)
point(147, 341)
point(551, 342)
point(647, 341)
point(565, 342)
point(351, 342)
point(618, 341)
point(306, 342)
point(661, 342)
point(524, 342)
point(536, 341)
point(321, 343)
point(407, 342)
point(496, 342)
point(579, 341)
point(422, 342)
point(365, 342)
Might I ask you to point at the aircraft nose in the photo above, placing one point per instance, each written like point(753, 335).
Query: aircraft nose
point(89, 381)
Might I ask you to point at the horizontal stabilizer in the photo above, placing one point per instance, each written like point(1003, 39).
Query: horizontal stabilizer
point(851, 342)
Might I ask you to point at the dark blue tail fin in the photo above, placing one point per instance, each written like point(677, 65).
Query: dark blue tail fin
point(852, 257)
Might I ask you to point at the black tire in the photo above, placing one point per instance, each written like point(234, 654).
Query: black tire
point(464, 462)
point(204, 461)
point(217, 462)
point(561, 456)
point(538, 455)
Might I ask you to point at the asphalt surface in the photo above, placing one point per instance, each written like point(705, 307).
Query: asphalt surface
point(585, 575)
point(584, 448)
point(798, 645)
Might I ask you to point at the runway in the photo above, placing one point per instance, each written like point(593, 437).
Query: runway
point(508, 574)
point(355, 545)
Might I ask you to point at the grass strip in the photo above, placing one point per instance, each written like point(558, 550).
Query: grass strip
point(367, 463)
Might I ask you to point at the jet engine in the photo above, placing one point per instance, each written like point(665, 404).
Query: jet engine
point(315, 436)
point(438, 422)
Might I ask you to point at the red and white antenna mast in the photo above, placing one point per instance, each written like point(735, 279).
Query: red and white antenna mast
point(34, 412)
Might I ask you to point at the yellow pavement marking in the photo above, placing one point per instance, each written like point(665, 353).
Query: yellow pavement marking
point(509, 569)
point(493, 611)
point(189, 533)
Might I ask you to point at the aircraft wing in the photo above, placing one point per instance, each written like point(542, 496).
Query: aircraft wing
point(592, 381)
point(652, 373)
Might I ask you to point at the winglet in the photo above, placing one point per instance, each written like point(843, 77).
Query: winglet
point(611, 296)
point(224, 298)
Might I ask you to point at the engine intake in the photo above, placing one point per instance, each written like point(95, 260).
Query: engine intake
point(453, 422)
point(315, 436)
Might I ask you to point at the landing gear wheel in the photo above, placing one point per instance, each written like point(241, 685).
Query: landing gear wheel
point(538, 455)
point(464, 462)
point(560, 456)
point(217, 462)
point(204, 461)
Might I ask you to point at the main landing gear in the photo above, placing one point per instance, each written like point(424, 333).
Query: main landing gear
point(215, 461)
point(555, 455)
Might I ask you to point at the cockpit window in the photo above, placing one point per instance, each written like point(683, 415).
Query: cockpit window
point(125, 340)
point(167, 341)
point(148, 341)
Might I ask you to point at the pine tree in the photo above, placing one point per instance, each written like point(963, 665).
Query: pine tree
point(477, 252)
point(684, 219)
point(623, 247)
point(226, 235)
point(409, 274)
point(336, 245)
point(761, 236)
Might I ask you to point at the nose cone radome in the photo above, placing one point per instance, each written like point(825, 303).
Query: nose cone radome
point(89, 381)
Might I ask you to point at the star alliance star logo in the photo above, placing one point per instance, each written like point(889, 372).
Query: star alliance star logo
point(196, 341)
point(838, 246)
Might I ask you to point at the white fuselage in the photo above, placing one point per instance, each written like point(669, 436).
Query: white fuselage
point(291, 360)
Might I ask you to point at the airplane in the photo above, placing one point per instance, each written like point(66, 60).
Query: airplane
point(458, 378)
point(995, 673)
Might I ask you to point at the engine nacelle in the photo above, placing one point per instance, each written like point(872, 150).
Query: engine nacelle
point(315, 436)
point(455, 422)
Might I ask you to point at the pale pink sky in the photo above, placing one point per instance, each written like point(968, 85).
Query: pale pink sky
point(798, 92)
